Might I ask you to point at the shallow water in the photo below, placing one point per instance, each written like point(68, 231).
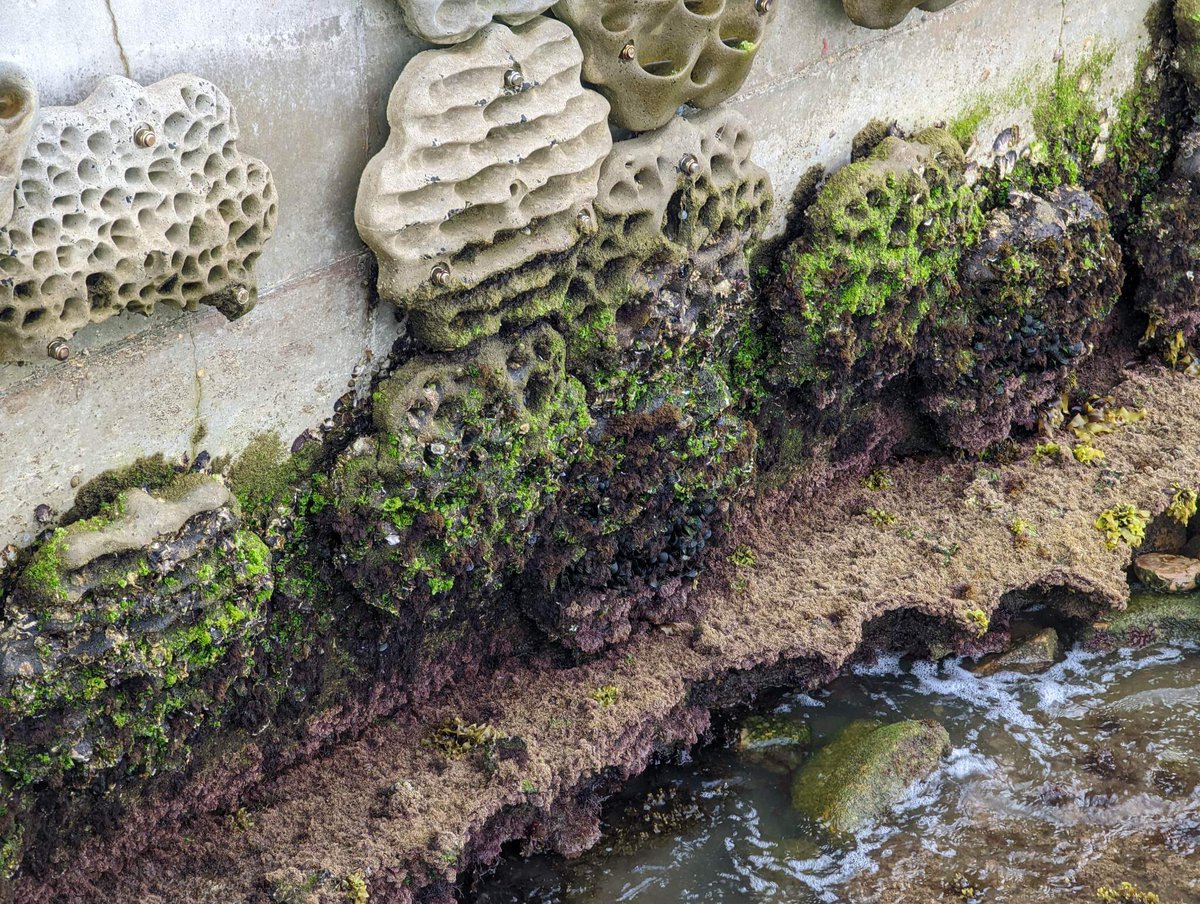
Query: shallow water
point(1052, 779)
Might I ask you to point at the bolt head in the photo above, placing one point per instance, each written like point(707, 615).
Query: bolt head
point(514, 80)
point(440, 276)
point(58, 349)
point(762, 7)
point(145, 137)
point(628, 52)
point(585, 218)
point(690, 165)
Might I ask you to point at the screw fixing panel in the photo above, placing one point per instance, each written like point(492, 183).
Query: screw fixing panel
point(134, 197)
point(649, 57)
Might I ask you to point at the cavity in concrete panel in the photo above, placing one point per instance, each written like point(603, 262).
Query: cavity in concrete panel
point(18, 104)
point(134, 197)
point(889, 13)
point(492, 161)
point(649, 57)
point(454, 21)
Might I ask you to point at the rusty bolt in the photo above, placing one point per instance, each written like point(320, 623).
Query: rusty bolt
point(440, 276)
point(145, 137)
point(690, 166)
point(628, 52)
point(513, 80)
point(58, 349)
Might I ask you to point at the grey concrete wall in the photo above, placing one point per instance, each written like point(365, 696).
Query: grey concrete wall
point(309, 80)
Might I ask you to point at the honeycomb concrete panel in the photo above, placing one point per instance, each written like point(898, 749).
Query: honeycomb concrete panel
point(889, 13)
point(493, 160)
point(649, 57)
point(429, 399)
point(454, 21)
point(18, 106)
point(135, 197)
point(685, 182)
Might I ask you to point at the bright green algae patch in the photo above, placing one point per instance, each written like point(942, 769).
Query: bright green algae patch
point(865, 770)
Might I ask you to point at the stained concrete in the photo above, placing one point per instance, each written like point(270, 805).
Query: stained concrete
point(310, 88)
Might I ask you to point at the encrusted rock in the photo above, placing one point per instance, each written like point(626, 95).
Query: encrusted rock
point(889, 13)
point(479, 177)
point(126, 631)
point(1166, 244)
point(1149, 617)
point(1187, 49)
point(649, 57)
point(1036, 654)
point(866, 770)
point(1167, 573)
point(453, 21)
point(778, 742)
point(1035, 299)
point(18, 104)
point(134, 197)
point(878, 250)
point(470, 445)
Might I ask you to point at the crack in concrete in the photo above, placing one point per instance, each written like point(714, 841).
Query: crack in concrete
point(198, 428)
point(116, 32)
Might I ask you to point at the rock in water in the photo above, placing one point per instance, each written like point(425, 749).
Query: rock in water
point(1151, 617)
point(866, 770)
point(777, 742)
point(1167, 573)
point(1036, 654)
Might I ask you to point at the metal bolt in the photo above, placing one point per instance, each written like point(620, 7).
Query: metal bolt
point(513, 80)
point(58, 349)
point(762, 7)
point(628, 52)
point(145, 137)
point(440, 276)
point(242, 296)
point(585, 218)
point(690, 166)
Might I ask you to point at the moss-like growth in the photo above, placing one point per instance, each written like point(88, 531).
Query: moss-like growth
point(265, 475)
point(99, 493)
point(879, 250)
point(865, 770)
point(1123, 523)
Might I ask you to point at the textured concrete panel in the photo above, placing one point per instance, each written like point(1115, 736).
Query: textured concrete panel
point(494, 155)
point(134, 197)
point(649, 57)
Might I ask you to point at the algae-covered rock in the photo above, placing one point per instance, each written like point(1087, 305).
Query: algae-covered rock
point(126, 635)
point(778, 742)
point(1036, 654)
point(1036, 295)
point(865, 770)
point(878, 251)
point(1167, 573)
point(1152, 616)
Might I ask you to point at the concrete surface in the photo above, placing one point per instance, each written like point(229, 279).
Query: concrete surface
point(309, 82)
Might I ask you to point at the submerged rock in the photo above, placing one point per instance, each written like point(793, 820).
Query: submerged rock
point(866, 770)
point(1036, 654)
point(777, 742)
point(1167, 573)
point(1150, 617)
